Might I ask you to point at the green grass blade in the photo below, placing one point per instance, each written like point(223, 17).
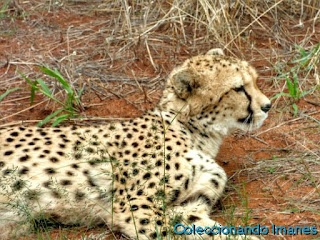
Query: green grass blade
point(46, 91)
point(2, 96)
point(33, 86)
point(59, 119)
point(49, 117)
point(45, 88)
point(59, 77)
point(26, 78)
point(280, 95)
point(302, 60)
point(290, 86)
point(295, 86)
point(4, 8)
point(77, 98)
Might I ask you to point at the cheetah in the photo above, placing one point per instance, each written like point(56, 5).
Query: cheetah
point(138, 176)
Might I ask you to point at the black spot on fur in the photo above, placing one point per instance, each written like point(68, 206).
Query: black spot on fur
point(215, 183)
point(146, 176)
point(206, 199)
point(60, 153)
point(65, 182)
point(56, 194)
point(47, 184)
point(177, 166)
point(69, 173)
point(54, 159)
point(18, 185)
point(151, 185)
point(134, 208)
point(129, 135)
point(89, 150)
point(144, 221)
point(79, 195)
point(24, 158)
point(178, 177)
point(127, 152)
point(217, 174)
point(174, 195)
point(50, 171)
point(159, 222)
point(14, 134)
point(75, 166)
point(32, 194)
point(186, 184)
point(122, 180)
point(8, 153)
point(1, 164)
point(193, 218)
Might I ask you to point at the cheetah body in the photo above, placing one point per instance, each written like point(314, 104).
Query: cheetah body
point(137, 175)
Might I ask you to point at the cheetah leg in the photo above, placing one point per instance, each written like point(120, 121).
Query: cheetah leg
point(197, 213)
point(11, 225)
point(145, 222)
point(209, 185)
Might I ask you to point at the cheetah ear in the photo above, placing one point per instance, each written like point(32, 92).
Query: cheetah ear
point(184, 83)
point(215, 51)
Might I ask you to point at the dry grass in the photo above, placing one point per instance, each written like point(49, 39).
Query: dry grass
point(119, 49)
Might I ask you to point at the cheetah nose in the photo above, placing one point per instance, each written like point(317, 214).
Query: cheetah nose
point(266, 107)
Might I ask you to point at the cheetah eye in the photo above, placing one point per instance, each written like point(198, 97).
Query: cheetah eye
point(239, 89)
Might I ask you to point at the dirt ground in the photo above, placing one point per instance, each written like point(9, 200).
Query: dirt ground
point(274, 172)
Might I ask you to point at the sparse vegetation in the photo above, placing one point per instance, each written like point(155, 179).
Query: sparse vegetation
point(2, 96)
point(69, 109)
point(305, 65)
point(4, 9)
point(113, 50)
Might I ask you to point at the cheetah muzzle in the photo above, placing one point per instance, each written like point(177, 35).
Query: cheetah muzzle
point(137, 176)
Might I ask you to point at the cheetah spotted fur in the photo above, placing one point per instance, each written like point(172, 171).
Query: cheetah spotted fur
point(136, 176)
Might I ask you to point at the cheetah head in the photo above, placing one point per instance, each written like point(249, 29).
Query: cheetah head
point(217, 93)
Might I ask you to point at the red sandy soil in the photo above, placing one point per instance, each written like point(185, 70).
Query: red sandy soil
point(268, 196)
